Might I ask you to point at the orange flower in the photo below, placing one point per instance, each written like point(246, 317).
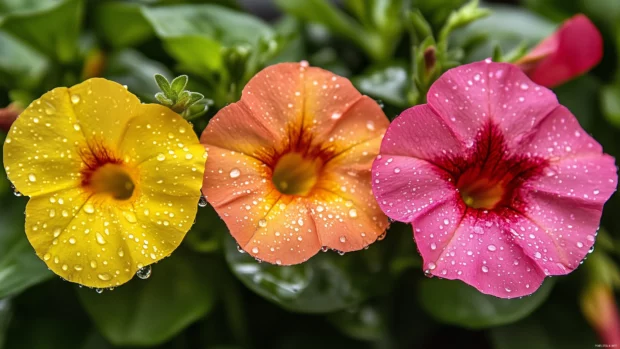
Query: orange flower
point(289, 165)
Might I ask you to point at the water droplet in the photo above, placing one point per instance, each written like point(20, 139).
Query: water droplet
point(89, 208)
point(75, 99)
point(130, 217)
point(485, 269)
point(431, 266)
point(433, 246)
point(324, 248)
point(15, 191)
point(76, 127)
point(382, 236)
point(104, 277)
point(99, 290)
point(144, 272)
point(262, 223)
point(278, 262)
point(254, 250)
point(161, 157)
point(72, 240)
point(579, 244)
point(343, 239)
point(202, 202)
point(234, 173)
point(336, 116)
point(100, 239)
point(492, 248)
point(240, 249)
point(352, 213)
point(537, 255)
point(32, 177)
point(397, 170)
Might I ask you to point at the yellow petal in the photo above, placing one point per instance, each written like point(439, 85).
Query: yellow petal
point(103, 108)
point(79, 240)
point(41, 151)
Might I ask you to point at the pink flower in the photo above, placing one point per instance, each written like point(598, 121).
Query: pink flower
point(501, 184)
point(569, 52)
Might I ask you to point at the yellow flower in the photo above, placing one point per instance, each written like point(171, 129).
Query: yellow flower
point(114, 184)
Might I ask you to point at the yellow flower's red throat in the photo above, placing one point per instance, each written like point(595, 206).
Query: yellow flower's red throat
point(105, 174)
point(295, 174)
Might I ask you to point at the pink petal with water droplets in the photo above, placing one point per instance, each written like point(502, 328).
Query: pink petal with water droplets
point(482, 253)
point(407, 187)
point(467, 97)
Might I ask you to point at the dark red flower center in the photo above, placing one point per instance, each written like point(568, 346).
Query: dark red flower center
point(489, 175)
point(104, 173)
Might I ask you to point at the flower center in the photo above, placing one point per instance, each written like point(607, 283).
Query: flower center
point(481, 193)
point(296, 175)
point(113, 180)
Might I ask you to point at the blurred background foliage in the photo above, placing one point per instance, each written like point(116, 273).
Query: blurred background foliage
point(208, 294)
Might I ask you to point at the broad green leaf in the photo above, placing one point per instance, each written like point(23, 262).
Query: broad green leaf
point(456, 303)
point(20, 66)
point(135, 30)
point(558, 324)
point(366, 322)
point(389, 84)
point(52, 30)
point(20, 267)
point(180, 291)
point(325, 13)
point(610, 103)
point(507, 26)
point(327, 282)
point(196, 34)
point(8, 7)
point(131, 68)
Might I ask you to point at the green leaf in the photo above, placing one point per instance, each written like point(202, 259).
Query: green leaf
point(366, 322)
point(507, 26)
point(178, 85)
point(6, 311)
point(20, 66)
point(327, 282)
point(456, 303)
point(131, 68)
point(196, 34)
point(20, 267)
point(325, 13)
point(610, 103)
point(147, 312)
point(465, 15)
point(108, 15)
point(389, 84)
point(581, 97)
point(52, 30)
point(558, 324)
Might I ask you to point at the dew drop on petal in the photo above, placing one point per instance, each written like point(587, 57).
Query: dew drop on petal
point(202, 202)
point(343, 239)
point(254, 250)
point(75, 99)
point(89, 208)
point(491, 248)
point(161, 157)
point(262, 223)
point(32, 177)
point(234, 173)
point(485, 269)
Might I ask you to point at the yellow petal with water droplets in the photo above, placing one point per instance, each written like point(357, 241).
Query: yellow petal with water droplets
point(41, 149)
point(166, 152)
point(79, 240)
point(103, 108)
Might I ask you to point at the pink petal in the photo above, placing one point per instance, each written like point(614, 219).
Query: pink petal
point(478, 248)
point(572, 50)
point(407, 188)
point(467, 97)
